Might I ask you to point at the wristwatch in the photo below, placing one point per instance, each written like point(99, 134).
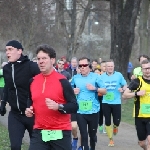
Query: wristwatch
point(136, 93)
point(61, 109)
point(96, 89)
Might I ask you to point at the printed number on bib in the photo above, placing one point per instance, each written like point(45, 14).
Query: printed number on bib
point(48, 135)
point(109, 96)
point(145, 108)
point(85, 105)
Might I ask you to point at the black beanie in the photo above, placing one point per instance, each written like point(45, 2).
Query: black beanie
point(15, 44)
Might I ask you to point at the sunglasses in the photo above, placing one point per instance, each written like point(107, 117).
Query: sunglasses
point(83, 65)
point(60, 64)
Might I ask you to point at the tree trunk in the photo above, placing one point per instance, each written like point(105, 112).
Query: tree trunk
point(123, 20)
point(71, 43)
point(143, 27)
point(75, 33)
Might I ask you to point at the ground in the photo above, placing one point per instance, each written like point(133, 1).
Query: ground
point(126, 138)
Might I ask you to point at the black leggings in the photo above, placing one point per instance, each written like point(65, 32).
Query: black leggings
point(37, 143)
point(114, 110)
point(17, 124)
point(101, 111)
point(92, 121)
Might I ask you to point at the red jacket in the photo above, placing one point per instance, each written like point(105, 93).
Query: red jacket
point(52, 86)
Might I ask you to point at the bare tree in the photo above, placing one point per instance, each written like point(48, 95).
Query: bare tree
point(123, 21)
point(75, 31)
point(143, 27)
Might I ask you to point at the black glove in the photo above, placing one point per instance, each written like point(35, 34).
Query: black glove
point(3, 108)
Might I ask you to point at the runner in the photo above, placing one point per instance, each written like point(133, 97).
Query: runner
point(100, 97)
point(17, 74)
point(138, 71)
point(139, 88)
point(73, 69)
point(61, 69)
point(86, 85)
point(94, 64)
point(53, 100)
point(2, 80)
point(111, 103)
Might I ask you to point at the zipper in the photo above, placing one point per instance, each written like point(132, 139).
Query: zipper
point(15, 87)
point(44, 85)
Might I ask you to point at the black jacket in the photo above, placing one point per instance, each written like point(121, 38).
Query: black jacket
point(71, 71)
point(66, 74)
point(16, 77)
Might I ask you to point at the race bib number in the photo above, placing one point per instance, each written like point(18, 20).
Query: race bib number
point(109, 96)
point(145, 108)
point(85, 105)
point(48, 135)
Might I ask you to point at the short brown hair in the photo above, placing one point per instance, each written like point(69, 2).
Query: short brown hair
point(146, 61)
point(46, 49)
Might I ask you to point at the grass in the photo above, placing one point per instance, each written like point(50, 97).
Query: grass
point(127, 111)
point(4, 138)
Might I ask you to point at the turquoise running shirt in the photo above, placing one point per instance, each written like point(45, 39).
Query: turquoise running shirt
point(113, 83)
point(87, 99)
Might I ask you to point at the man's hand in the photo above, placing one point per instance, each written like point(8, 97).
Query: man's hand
point(76, 91)
point(90, 87)
point(120, 90)
point(141, 93)
point(3, 108)
point(133, 77)
point(29, 112)
point(51, 104)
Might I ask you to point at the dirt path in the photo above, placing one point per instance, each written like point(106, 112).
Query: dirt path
point(126, 138)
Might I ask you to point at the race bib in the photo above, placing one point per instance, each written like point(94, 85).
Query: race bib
point(145, 108)
point(48, 135)
point(109, 96)
point(85, 105)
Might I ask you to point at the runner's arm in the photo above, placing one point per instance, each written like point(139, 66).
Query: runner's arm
point(128, 94)
point(101, 86)
point(29, 100)
point(71, 105)
point(130, 91)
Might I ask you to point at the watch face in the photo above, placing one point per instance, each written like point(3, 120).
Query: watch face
point(61, 107)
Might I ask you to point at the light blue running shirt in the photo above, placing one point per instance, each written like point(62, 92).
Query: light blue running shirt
point(85, 95)
point(113, 83)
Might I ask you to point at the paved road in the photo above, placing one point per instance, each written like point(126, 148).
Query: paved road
point(126, 139)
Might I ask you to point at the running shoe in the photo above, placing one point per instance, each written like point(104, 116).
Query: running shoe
point(111, 143)
point(115, 130)
point(101, 129)
point(74, 144)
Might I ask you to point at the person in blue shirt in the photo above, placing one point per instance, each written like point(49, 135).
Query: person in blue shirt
point(111, 103)
point(86, 87)
point(129, 70)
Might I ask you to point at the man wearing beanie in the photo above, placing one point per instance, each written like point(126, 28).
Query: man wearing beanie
point(17, 74)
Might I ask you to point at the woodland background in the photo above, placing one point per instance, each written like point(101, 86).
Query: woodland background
point(117, 29)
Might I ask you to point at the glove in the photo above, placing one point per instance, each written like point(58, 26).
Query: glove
point(3, 108)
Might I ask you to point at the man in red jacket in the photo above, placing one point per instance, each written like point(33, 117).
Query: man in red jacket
point(53, 100)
